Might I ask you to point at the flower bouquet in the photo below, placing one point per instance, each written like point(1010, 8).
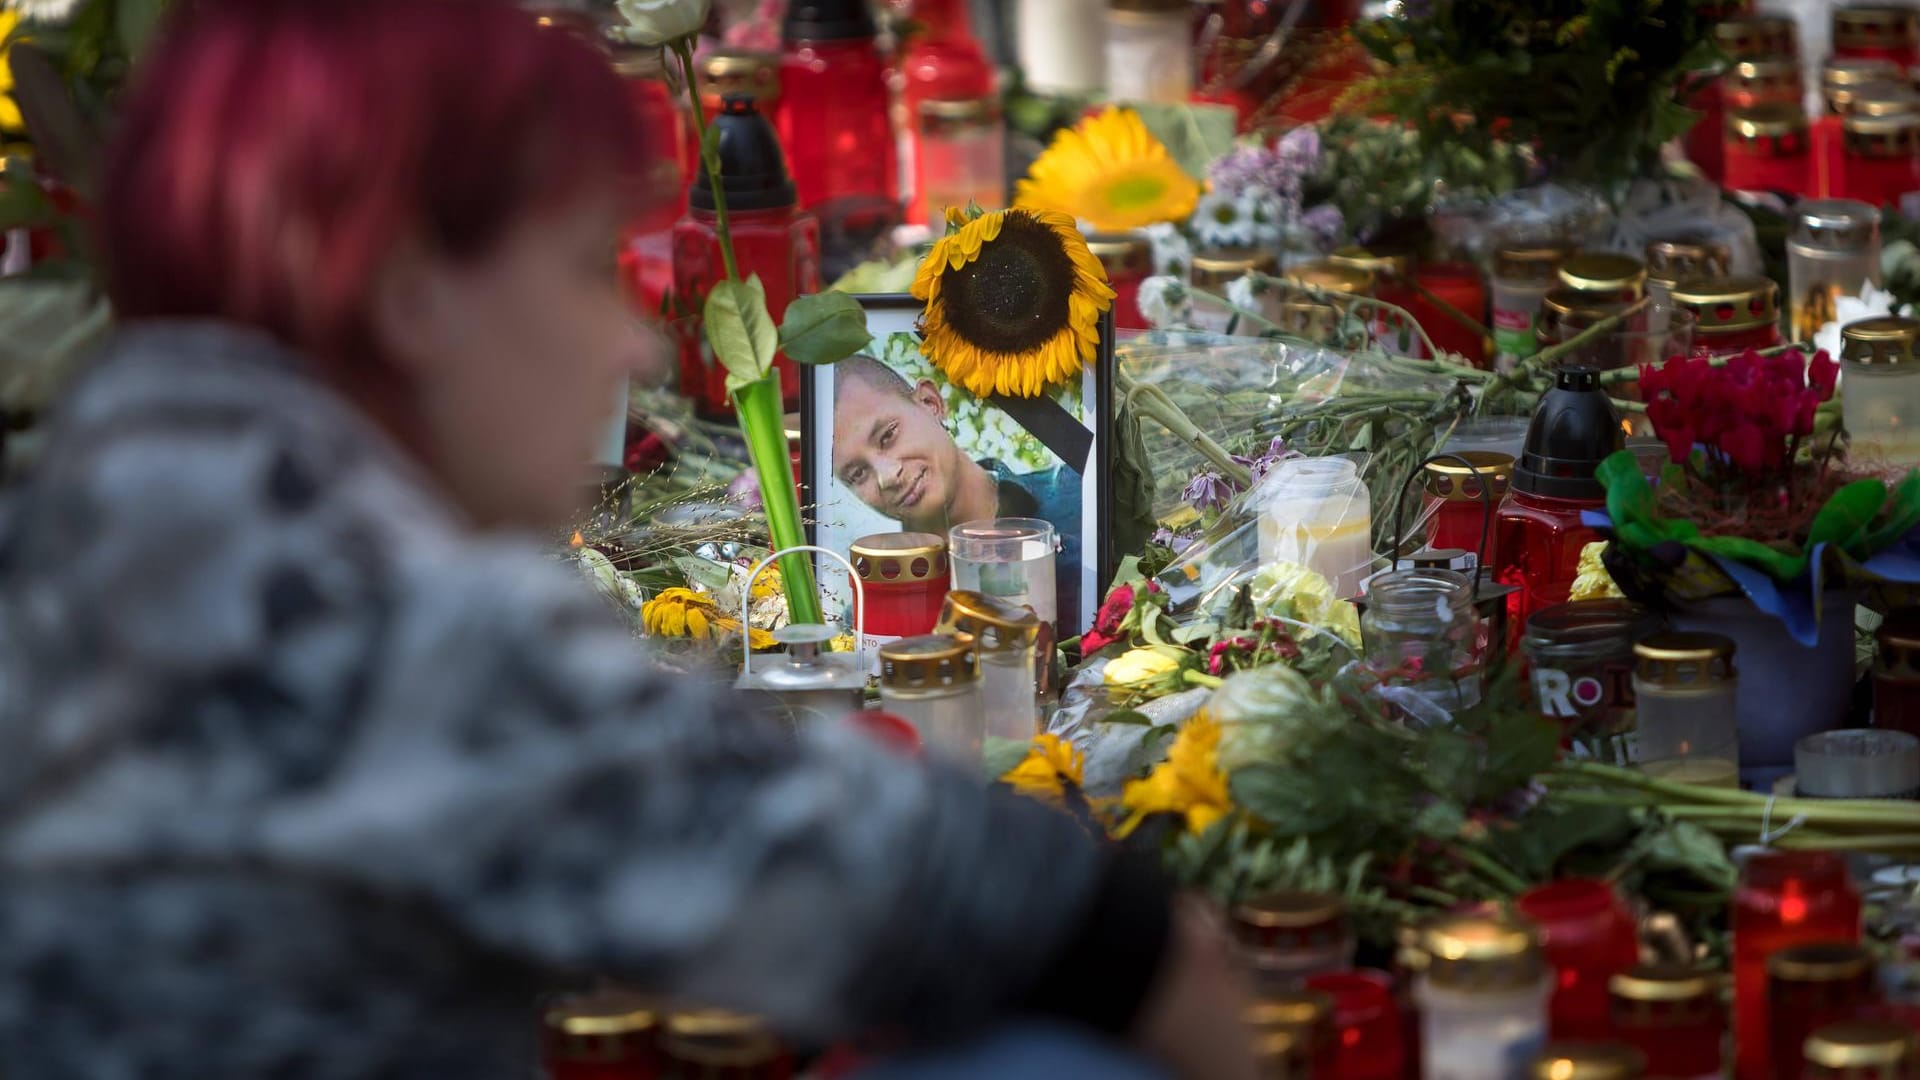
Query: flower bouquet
point(1758, 500)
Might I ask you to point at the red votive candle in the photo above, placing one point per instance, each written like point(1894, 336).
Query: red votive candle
point(1460, 287)
point(1731, 314)
point(1785, 898)
point(1809, 987)
point(1673, 1017)
point(905, 576)
point(1128, 259)
point(1367, 1025)
point(1465, 495)
point(1768, 148)
point(835, 115)
point(604, 1035)
point(1588, 937)
point(1876, 32)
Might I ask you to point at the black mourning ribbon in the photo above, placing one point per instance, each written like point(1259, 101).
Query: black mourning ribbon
point(1057, 429)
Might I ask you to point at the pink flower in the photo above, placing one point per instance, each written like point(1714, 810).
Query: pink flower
point(1823, 374)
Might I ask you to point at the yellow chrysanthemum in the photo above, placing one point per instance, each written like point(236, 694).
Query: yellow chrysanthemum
point(1189, 782)
point(1013, 299)
point(688, 614)
point(1109, 170)
point(1591, 580)
point(1048, 767)
point(9, 109)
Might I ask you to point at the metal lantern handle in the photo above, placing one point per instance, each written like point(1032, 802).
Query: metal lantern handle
point(746, 595)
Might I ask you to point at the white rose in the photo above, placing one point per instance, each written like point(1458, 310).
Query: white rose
point(657, 22)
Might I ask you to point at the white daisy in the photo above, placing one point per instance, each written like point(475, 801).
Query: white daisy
point(1164, 302)
point(1267, 212)
point(1871, 303)
point(1172, 254)
point(1240, 294)
point(1222, 221)
point(42, 11)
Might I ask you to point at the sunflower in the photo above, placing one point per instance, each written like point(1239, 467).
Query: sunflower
point(10, 119)
point(1189, 782)
point(1049, 766)
point(1110, 171)
point(1013, 302)
point(684, 613)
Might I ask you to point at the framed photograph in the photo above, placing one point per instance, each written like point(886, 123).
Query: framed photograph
point(889, 445)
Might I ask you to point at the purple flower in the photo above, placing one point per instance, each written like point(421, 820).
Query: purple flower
point(1167, 538)
point(1325, 224)
point(1207, 491)
point(1277, 452)
point(1299, 149)
point(745, 490)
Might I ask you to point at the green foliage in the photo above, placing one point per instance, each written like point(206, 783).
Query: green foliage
point(1591, 85)
point(823, 328)
point(1383, 175)
point(1195, 135)
point(740, 331)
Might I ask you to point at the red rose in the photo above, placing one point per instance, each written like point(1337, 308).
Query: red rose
point(1106, 624)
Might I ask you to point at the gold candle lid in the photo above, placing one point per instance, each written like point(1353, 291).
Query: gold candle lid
point(926, 662)
point(1671, 261)
point(603, 1012)
point(1530, 263)
point(1820, 963)
point(959, 112)
point(1836, 225)
point(1143, 11)
point(1888, 100)
point(1604, 272)
point(1743, 36)
point(1212, 270)
point(1770, 79)
point(1897, 135)
point(899, 558)
point(1122, 253)
point(1864, 1044)
point(1886, 339)
point(741, 71)
point(716, 1037)
point(1331, 277)
point(1655, 983)
point(1454, 481)
point(1308, 319)
point(1477, 953)
point(1724, 305)
point(1767, 121)
point(1380, 264)
point(637, 62)
point(1284, 1055)
point(1847, 100)
point(1684, 661)
point(988, 623)
point(1870, 26)
point(1858, 71)
point(1568, 305)
point(1290, 909)
point(1588, 1061)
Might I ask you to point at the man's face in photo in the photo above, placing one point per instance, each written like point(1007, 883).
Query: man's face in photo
point(892, 450)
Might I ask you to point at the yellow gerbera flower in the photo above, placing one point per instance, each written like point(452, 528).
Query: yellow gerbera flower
point(1109, 170)
point(1048, 767)
point(1013, 299)
point(688, 614)
point(1189, 782)
point(9, 109)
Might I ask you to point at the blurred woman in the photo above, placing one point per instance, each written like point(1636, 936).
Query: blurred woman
point(312, 762)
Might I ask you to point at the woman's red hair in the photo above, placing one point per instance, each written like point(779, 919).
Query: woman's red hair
point(273, 151)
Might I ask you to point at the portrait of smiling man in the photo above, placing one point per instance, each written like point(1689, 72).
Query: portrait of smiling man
point(892, 449)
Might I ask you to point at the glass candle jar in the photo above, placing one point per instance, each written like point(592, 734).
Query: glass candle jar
point(1841, 80)
point(1756, 36)
point(1128, 260)
point(1213, 271)
point(1392, 284)
point(1669, 262)
point(835, 115)
point(1317, 512)
point(714, 1043)
point(1731, 314)
point(932, 682)
point(1876, 32)
point(960, 156)
point(1463, 490)
point(771, 238)
point(1784, 899)
point(1005, 639)
point(944, 61)
point(661, 117)
point(605, 1035)
point(1286, 937)
point(1684, 687)
point(1587, 1061)
point(1809, 987)
point(1773, 80)
point(1834, 251)
point(1767, 148)
point(905, 577)
point(1058, 54)
point(1881, 156)
point(1149, 51)
point(1294, 1034)
point(1522, 277)
point(1368, 1028)
point(1863, 1050)
point(1011, 559)
point(1581, 660)
point(1421, 633)
point(1857, 764)
point(739, 71)
point(1673, 1017)
point(1539, 526)
point(1880, 390)
point(1588, 937)
point(1483, 998)
point(1458, 286)
point(1605, 274)
point(1896, 672)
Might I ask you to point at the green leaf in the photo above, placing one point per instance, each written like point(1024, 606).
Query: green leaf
point(1001, 755)
point(1194, 135)
point(1777, 564)
point(1285, 798)
point(1440, 821)
point(706, 572)
point(136, 20)
point(1188, 634)
point(740, 331)
point(1129, 717)
point(823, 328)
point(1902, 514)
point(1848, 514)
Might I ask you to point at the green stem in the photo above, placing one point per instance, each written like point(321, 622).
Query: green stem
point(1506, 880)
point(709, 157)
point(1154, 404)
point(1200, 678)
point(757, 406)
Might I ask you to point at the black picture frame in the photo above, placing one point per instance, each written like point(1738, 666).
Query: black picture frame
point(892, 313)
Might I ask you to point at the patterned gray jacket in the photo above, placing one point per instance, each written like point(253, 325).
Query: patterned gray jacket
point(300, 778)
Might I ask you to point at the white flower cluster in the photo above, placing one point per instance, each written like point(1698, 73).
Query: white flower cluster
point(1872, 302)
point(1165, 303)
point(1253, 218)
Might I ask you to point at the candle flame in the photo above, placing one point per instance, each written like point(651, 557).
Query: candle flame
point(578, 541)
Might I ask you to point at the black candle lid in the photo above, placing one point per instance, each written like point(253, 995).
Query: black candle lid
point(753, 171)
point(828, 20)
point(1572, 432)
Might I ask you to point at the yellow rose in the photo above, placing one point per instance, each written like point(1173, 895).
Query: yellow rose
point(1140, 666)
